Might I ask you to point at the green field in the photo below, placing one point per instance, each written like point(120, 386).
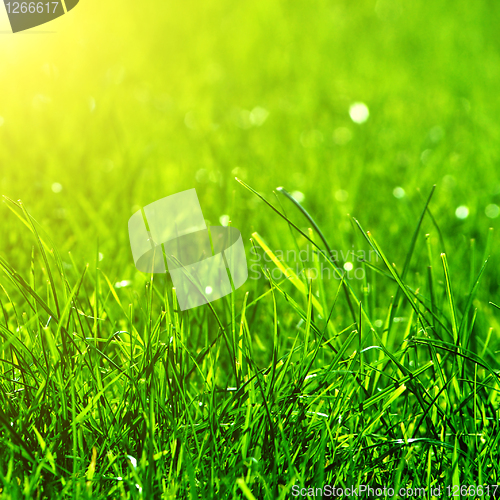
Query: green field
point(378, 369)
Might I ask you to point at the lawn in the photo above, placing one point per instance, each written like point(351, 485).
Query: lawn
point(361, 352)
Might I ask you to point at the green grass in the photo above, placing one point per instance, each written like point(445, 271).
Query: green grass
point(108, 390)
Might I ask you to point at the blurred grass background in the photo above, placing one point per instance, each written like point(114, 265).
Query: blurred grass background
point(118, 104)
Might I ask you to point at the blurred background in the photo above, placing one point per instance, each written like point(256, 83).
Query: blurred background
point(120, 103)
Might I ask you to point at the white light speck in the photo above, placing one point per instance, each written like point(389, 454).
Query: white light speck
point(348, 266)
point(208, 290)
point(224, 220)
point(492, 211)
point(101, 256)
point(133, 461)
point(462, 212)
point(359, 112)
point(400, 319)
point(399, 192)
point(56, 187)
point(123, 284)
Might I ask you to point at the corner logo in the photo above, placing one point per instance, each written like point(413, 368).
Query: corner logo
point(204, 263)
point(24, 15)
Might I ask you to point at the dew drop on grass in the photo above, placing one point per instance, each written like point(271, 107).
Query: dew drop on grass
point(399, 192)
point(208, 290)
point(359, 112)
point(462, 212)
point(492, 211)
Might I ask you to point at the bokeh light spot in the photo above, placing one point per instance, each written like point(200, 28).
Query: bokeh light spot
point(492, 211)
point(359, 112)
point(399, 192)
point(342, 135)
point(462, 212)
point(299, 196)
point(224, 220)
point(258, 116)
point(202, 175)
point(341, 195)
